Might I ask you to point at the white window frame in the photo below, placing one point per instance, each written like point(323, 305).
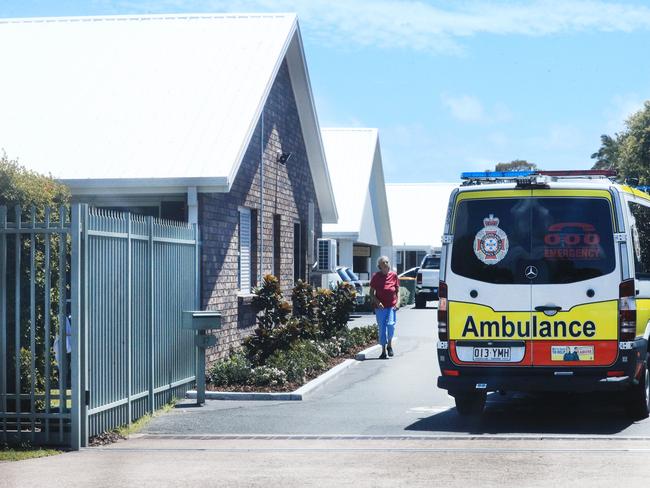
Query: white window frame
point(244, 263)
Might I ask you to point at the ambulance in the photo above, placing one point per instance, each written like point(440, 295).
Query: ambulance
point(545, 286)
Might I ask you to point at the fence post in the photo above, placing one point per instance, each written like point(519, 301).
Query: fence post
point(3, 320)
point(32, 319)
point(129, 274)
point(197, 268)
point(152, 378)
point(63, 361)
point(197, 293)
point(18, 246)
point(76, 430)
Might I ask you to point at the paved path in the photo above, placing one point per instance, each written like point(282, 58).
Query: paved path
point(157, 462)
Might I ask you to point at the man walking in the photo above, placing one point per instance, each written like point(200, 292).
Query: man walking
point(384, 294)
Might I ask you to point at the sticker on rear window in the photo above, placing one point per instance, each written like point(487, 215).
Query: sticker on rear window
point(491, 242)
point(572, 241)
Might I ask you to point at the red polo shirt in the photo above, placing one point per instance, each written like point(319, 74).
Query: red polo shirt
point(386, 288)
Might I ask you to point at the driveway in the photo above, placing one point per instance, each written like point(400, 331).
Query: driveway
point(398, 397)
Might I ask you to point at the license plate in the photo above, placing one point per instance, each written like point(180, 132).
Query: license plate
point(495, 354)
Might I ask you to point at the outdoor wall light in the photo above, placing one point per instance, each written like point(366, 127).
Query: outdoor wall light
point(284, 157)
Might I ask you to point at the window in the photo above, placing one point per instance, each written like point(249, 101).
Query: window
point(566, 239)
point(277, 227)
point(255, 251)
point(432, 262)
point(244, 279)
point(640, 228)
point(298, 253)
point(311, 233)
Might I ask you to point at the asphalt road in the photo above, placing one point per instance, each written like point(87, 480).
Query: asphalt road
point(376, 462)
point(399, 397)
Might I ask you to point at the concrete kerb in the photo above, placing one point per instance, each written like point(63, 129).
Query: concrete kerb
point(298, 395)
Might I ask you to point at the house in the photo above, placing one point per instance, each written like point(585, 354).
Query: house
point(417, 215)
point(203, 118)
point(363, 231)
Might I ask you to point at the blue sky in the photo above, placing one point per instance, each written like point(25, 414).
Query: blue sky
point(453, 86)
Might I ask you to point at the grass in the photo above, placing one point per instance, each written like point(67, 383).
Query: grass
point(138, 425)
point(22, 453)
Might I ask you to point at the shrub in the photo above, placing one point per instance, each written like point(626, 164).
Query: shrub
point(268, 300)
point(404, 296)
point(236, 370)
point(304, 301)
point(301, 360)
point(333, 347)
point(273, 315)
point(334, 309)
point(360, 336)
point(267, 376)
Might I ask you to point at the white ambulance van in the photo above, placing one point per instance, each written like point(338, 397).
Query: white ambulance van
point(545, 286)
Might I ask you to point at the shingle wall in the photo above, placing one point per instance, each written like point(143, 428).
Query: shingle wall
point(288, 189)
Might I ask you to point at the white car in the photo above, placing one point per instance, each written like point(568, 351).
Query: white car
point(426, 284)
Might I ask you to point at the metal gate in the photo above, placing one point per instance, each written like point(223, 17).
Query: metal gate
point(90, 321)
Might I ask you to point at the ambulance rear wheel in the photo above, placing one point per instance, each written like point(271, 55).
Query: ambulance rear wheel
point(638, 402)
point(470, 403)
point(420, 301)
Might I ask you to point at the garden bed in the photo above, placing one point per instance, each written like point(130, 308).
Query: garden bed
point(293, 342)
point(290, 386)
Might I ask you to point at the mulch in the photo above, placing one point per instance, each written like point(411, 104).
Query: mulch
point(105, 439)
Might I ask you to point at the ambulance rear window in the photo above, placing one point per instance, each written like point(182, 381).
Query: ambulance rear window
point(565, 239)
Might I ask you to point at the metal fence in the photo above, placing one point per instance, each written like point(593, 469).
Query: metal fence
point(117, 350)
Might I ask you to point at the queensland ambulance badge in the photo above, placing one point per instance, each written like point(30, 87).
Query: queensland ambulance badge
point(491, 243)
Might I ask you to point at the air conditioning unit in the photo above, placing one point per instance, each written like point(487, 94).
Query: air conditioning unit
point(326, 255)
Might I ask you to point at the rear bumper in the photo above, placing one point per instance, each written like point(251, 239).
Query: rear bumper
point(430, 293)
point(541, 378)
point(529, 383)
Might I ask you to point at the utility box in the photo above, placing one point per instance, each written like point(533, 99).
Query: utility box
point(201, 321)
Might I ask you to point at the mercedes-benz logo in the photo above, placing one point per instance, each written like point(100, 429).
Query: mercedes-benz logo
point(531, 272)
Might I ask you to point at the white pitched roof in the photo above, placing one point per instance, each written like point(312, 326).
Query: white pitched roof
point(354, 161)
point(171, 99)
point(417, 212)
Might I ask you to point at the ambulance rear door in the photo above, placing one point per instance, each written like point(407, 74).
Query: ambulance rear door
point(489, 295)
point(575, 279)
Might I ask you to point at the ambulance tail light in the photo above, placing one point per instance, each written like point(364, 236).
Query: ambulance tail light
point(419, 279)
point(627, 310)
point(443, 331)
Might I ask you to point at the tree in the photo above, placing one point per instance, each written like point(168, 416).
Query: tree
point(20, 186)
point(628, 152)
point(33, 193)
point(607, 155)
point(516, 165)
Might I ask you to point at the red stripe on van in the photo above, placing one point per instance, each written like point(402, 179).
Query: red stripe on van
point(605, 353)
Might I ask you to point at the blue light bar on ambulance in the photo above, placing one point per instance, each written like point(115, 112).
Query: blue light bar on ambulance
point(515, 175)
point(494, 175)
